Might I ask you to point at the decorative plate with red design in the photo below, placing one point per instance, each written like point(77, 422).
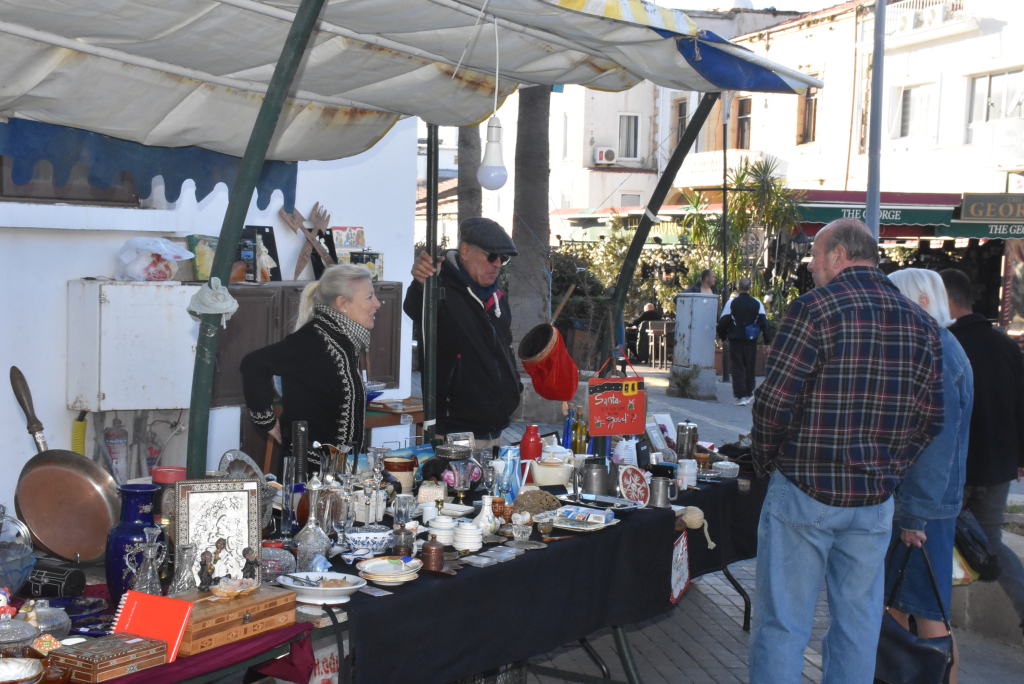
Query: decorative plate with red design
point(633, 485)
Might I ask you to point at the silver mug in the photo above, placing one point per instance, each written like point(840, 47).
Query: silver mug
point(663, 492)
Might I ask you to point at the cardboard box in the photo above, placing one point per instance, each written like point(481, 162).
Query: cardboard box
point(585, 514)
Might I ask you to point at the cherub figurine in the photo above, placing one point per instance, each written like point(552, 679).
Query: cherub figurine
point(5, 603)
point(251, 563)
point(206, 571)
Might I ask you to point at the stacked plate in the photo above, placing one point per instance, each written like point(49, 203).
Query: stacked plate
point(389, 571)
point(468, 536)
point(443, 526)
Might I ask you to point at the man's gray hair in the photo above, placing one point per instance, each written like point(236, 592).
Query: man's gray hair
point(855, 237)
point(744, 284)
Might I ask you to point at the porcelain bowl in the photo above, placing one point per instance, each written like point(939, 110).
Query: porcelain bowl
point(376, 542)
point(317, 593)
point(545, 475)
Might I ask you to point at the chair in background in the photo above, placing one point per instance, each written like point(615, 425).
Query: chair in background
point(655, 346)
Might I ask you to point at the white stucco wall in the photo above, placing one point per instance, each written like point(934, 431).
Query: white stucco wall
point(44, 246)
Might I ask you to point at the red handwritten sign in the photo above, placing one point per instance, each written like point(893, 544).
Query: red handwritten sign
point(618, 406)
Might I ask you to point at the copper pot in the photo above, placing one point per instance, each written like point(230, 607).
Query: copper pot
point(432, 554)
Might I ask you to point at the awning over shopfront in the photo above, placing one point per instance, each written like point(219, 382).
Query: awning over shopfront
point(996, 215)
point(975, 229)
point(195, 72)
point(903, 215)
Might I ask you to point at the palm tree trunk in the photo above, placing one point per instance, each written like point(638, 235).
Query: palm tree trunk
point(528, 273)
point(470, 198)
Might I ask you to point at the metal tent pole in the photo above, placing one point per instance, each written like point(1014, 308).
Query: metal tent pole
point(653, 207)
point(726, 370)
point(872, 211)
point(234, 220)
point(431, 294)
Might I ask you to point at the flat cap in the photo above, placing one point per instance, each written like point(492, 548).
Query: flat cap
point(487, 235)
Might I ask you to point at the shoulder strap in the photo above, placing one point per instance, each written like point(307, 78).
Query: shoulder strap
point(931, 577)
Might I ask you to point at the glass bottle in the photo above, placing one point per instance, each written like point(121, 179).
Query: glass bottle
point(147, 577)
point(311, 540)
point(184, 571)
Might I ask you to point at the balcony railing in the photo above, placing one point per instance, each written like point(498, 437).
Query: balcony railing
point(901, 17)
point(704, 169)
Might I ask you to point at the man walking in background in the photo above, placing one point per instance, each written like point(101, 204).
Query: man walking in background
point(852, 394)
point(743, 320)
point(995, 448)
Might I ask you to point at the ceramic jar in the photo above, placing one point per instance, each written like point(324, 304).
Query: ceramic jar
point(486, 520)
point(432, 554)
point(125, 539)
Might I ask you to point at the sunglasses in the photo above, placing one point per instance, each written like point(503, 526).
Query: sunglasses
point(491, 257)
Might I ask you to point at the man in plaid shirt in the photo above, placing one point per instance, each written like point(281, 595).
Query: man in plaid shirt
point(852, 394)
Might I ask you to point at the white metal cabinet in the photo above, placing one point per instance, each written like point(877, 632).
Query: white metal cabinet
point(131, 345)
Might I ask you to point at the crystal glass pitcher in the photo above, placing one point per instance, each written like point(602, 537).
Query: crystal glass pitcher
point(311, 539)
point(184, 572)
point(147, 575)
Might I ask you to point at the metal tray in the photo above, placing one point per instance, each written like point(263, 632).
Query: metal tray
point(601, 502)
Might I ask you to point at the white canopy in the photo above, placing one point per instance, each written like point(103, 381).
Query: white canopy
point(193, 72)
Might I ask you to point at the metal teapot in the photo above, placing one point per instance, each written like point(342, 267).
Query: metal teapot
point(686, 440)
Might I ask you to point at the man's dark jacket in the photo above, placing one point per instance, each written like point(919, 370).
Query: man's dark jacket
point(996, 444)
point(477, 381)
point(739, 312)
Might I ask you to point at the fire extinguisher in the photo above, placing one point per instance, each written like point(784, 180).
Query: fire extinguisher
point(153, 449)
point(116, 439)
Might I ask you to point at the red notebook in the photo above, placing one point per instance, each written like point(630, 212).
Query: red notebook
point(156, 617)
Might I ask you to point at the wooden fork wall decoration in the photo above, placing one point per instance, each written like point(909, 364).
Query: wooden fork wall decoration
point(321, 221)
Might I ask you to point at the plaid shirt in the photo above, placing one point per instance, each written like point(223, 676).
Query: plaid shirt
point(852, 392)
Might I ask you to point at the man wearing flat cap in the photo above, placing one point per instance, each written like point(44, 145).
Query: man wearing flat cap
point(477, 379)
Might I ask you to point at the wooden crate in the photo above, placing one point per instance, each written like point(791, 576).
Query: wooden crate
point(98, 660)
point(215, 622)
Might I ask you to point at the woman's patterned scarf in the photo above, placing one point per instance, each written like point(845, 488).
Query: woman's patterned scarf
point(357, 334)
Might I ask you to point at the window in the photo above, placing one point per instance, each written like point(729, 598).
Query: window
point(743, 110)
point(995, 96)
point(682, 116)
point(565, 135)
point(630, 200)
point(914, 111)
point(808, 116)
point(629, 136)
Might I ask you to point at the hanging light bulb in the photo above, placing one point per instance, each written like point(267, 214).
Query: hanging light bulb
point(492, 174)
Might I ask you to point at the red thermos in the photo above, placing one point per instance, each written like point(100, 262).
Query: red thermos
point(531, 447)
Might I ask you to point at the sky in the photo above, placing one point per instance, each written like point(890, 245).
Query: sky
point(796, 5)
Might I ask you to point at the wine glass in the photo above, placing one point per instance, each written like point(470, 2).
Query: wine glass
point(342, 515)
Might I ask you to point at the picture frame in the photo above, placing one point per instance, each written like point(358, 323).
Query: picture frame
point(207, 511)
point(654, 434)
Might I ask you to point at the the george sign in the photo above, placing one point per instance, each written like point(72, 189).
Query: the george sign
point(618, 406)
point(903, 215)
point(993, 208)
point(982, 229)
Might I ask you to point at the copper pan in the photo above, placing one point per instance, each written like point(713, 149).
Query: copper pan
point(68, 501)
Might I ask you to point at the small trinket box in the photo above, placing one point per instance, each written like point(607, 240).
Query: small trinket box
point(98, 660)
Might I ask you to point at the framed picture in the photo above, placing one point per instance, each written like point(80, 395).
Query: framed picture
point(654, 434)
point(222, 517)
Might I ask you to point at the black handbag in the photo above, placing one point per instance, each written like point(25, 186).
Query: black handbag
point(905, 658)
point(975, 547)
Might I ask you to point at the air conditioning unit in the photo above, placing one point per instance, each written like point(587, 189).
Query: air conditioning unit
point(934, 15)
point(907, 21)
point(604, 155)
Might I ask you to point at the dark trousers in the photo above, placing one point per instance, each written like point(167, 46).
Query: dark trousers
point(742, 359)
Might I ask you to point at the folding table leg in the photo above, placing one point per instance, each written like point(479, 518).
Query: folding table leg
point(626, 655)
point(742, 593)
point(595, 656)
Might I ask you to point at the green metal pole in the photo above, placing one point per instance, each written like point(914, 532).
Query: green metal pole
point(234, 220)
point(654, 206)
point(430, 294)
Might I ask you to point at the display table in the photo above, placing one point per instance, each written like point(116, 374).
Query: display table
point(439, 629)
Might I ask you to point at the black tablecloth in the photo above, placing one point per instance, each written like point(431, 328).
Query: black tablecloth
point(439, 629)
point(732, 523)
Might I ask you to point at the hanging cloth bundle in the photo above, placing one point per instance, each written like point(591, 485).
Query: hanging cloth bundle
point(694, 518)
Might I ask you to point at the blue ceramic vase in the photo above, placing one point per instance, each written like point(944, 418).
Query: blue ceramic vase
point(125, 539)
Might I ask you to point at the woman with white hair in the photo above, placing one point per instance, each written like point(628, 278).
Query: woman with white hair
point(318, 363)
point(929, 497)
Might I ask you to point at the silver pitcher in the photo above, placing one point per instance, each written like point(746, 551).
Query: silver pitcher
point(686, 440)
point(596, 479)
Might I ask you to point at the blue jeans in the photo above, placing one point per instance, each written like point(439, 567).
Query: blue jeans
point(800, 543)
point(988, 505)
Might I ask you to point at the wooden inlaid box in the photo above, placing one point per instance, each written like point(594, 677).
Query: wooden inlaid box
point(98, 660)
point(215, 622)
